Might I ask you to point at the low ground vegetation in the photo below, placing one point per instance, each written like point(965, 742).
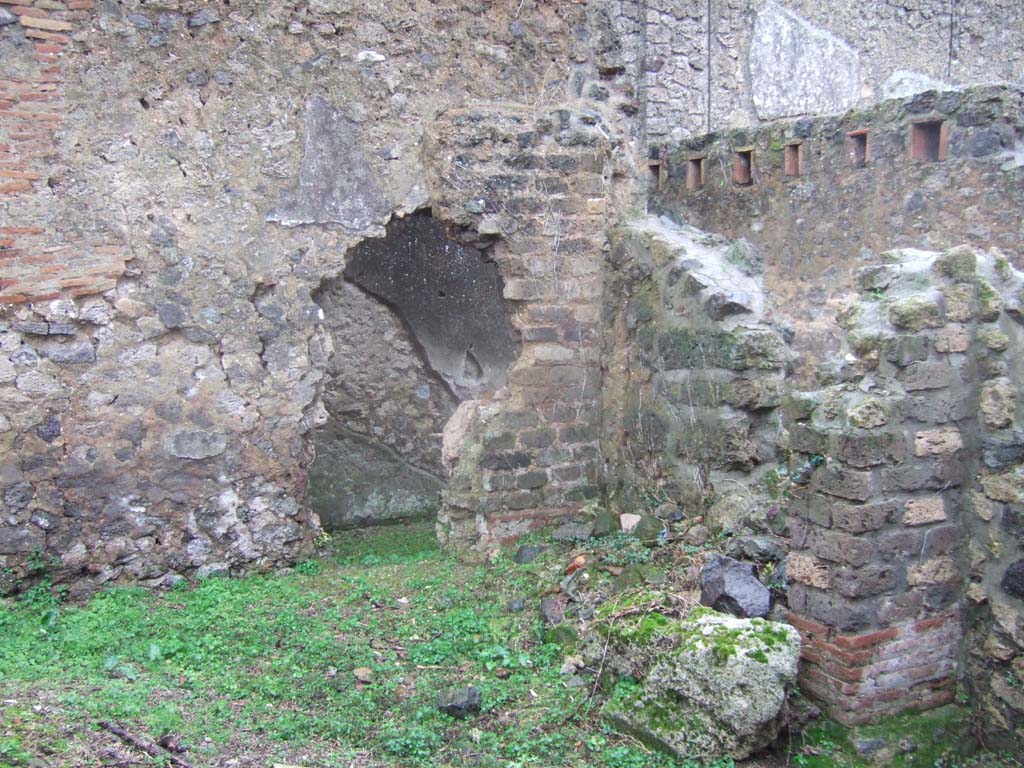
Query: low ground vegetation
point(340, 662)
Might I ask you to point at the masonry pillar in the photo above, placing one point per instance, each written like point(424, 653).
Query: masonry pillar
point(880, 455)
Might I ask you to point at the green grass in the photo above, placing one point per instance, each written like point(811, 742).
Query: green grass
point(260, 669)
point(264, 664)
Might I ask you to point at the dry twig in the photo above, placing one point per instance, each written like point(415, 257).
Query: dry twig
point(148, 747)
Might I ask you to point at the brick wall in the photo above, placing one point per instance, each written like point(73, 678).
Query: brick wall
point(536, 184)
point(879, 529)
point(37, 263)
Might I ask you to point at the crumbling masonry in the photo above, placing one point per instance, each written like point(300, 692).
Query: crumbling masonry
point(260, 261)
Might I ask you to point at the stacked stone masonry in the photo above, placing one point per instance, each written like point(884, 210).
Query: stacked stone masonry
point(909, 405)
point(694, 374)
point(539, 186)
point(157, 424)
point(172, 230)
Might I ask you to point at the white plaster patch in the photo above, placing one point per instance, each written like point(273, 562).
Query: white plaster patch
point(797, 68)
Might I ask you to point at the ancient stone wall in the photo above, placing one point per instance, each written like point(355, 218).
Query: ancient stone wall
point(720, 64)
point(847, 198)
point(694, 373)
point(540, 185)
point(885, 460)
point(163, 355)
point(918, 457)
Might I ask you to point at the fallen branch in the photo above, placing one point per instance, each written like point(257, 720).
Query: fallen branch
point(148, 747)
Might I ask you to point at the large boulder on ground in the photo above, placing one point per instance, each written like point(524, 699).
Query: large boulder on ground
point(710, 685)
point(731, 586)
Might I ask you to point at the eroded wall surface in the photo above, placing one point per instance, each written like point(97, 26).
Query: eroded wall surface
point(177, 184)
point(900, 413)
point(836, 211)
point(711, 66)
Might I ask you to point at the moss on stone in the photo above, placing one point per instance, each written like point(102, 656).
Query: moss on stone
point(915, 313)
point(864, 342)
point(994, 339)
point(959, 264)
point(990, 303)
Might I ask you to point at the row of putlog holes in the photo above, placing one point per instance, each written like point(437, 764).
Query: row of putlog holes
point(928, 142)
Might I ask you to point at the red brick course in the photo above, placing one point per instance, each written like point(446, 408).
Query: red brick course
point(35, 265)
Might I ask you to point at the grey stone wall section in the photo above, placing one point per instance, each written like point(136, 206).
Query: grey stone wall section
point(356, 481)
point(814, 225)
point(798, 69)
point(704, 67)
point(336, 184)
point(694, 376)
point(210, 326)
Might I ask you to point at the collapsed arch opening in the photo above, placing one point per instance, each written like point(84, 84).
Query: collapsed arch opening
point(418, 323)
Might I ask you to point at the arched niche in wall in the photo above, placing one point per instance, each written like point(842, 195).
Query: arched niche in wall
point(418, 323)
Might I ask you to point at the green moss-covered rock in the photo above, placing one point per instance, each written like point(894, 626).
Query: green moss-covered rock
point(959, 264)
point(743, 349)
point(605, 521)
point(916, 313)
point(994, 339)
point(712, 685)
point(990, 303)
point(649, 529)
point(869, 414)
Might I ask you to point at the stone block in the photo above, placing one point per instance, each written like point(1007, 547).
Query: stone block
point(931, 509)
point(944, 441)
point(336, 183)
point(860, 518)
point(924, 474)
point(869, 449)
point(870, 414)
point(803, 568)
point(952, 339)
point(1002, 451)
point(756, 394)
point(959, 264)
point(812, 507)
point(915, 313)
point(196, 444)
point(865, 581)
point(905, 349)
point(998, 403)
point(845, 483)
point(1013, 580)
point(799, 68)
point(832, 609)
point(20, 539)
point(1005, 486)
point(937, 407)
point(960, 303)
point(806, 438)
point(926, 375)
point(937, 571)
point(839, 547)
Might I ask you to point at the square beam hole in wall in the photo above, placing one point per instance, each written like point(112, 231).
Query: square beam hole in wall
point(695, 173)
point(655, 173)
point(743, 166)
point(860, 149)
point(792, 158)
point(928, 141)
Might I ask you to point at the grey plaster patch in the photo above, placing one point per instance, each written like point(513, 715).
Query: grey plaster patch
point(356, 481)
point(904, 82)
point(797, 68)
point(336, 184)
point(197, 444)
